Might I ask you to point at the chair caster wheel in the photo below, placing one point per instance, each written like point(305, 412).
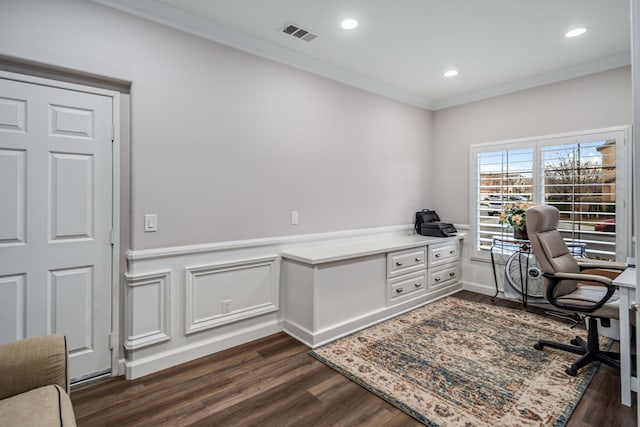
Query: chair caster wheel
point(574, 342)
point(538, 346)
point(571, 371)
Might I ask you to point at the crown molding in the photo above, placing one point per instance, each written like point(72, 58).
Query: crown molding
point(170, 16)
point(162, 13)
point(562, 74)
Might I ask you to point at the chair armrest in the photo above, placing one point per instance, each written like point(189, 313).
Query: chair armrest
point(593, 263)
point(584, 278)
point(32, 363)
point(557, 278)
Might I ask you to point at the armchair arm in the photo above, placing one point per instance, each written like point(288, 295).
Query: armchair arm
point(33, 363)
point(592, 263)
point(606, 281)
point(556, 278)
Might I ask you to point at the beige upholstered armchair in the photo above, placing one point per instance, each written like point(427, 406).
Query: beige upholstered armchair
point(34, 383)
point(583, 288)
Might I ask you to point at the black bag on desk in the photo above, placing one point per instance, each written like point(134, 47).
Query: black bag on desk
point(428, 224)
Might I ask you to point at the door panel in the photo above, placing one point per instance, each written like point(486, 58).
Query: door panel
point(13, 180)
point(71, 196)
point(55, 219)
point(12, 308)
point(70, 312)
point(13, 114)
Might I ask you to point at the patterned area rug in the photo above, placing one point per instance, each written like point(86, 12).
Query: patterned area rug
point(460, 363)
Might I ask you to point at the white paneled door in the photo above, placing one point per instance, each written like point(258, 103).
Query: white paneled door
point(56, 219)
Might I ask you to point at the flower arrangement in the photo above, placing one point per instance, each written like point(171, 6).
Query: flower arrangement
point(515, 215)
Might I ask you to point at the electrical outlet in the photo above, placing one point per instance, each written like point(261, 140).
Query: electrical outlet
point(226, 306)
point(295, 218)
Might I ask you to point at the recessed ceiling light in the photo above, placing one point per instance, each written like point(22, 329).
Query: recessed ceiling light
point(575, 32)
point(451, 73)
point(349, 24)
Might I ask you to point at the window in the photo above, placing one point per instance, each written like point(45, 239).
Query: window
point(504, 177)
point(583, 175)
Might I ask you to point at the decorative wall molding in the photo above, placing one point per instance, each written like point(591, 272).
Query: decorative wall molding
point(170, 16)
point(173, 17)
point(147, 323)
point(149, 254)
point(255, 283)
point(198, 278)
point(555, 76)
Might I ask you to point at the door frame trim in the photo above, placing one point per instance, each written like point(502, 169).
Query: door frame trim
point(115, 194)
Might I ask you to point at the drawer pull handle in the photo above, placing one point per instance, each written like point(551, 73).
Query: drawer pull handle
point(418, 259)
point(437, 255)
point(399, 263)
point(437, 278)
point(452, 251)
point(418, 285)
point(452, 274)
point(399, 290)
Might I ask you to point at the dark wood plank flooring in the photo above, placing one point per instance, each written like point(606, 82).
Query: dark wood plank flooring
point(274, 382)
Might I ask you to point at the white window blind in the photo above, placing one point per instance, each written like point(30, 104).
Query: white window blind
point(585, 175)
point(580, 180)
point(504, 177)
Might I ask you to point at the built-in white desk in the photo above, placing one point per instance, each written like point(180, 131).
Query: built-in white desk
point(626, 283)
point(332, 289)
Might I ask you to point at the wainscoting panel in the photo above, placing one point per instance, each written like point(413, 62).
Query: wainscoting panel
point(147, 309)
point(219, 294)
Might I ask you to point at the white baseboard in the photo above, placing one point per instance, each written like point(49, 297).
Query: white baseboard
point(480, 288)
point(298, 332)
point(156, 362)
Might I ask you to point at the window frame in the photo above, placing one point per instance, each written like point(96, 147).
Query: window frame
point(621, 134)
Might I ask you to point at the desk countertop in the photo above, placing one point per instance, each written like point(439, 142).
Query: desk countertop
point(627, 279)
point(324, 252)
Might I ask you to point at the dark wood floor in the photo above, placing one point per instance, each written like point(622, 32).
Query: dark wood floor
point(274, 382)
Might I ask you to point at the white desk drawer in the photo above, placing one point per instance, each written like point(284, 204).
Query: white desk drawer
point(406, 287)
point(404, 262)
point(445, 276)
point(443, 253)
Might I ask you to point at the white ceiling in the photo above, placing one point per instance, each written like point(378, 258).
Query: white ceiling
point(402, 47)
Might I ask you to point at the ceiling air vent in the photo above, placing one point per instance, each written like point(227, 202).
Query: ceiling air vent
point(298, 32)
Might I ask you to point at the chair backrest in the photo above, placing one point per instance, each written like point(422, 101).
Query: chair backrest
point(549, 247)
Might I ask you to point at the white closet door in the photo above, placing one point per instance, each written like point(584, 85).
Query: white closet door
point(55, 219)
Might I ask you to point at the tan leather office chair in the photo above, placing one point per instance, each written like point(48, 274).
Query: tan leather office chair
point(584, 288)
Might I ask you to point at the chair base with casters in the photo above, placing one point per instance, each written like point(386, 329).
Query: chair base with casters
point(590, 350)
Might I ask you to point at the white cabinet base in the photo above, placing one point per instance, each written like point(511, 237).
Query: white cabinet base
point(315, 339)
point(332, 291)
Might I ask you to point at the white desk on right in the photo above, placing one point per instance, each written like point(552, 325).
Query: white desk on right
point(627, 294)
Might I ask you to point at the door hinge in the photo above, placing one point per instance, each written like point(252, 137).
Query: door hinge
point(113, 237)
point(112, 341)
point(113, 133)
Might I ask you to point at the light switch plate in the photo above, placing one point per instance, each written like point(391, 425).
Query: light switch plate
point(150, 222)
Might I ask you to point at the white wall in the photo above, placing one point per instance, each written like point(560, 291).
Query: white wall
point(226, 144)
point(596, 101)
